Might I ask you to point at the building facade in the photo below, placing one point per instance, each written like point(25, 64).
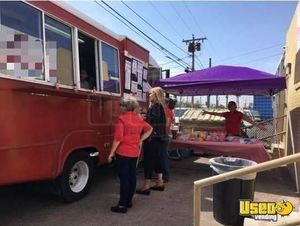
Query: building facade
point(288, 101)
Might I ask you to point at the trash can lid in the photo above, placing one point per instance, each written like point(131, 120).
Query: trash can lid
point(230, 163)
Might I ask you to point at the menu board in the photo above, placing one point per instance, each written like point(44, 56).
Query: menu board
point(128, 63)
point(136, 78)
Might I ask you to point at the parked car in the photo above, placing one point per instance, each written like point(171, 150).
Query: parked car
point(253, 114)
point(178, 112)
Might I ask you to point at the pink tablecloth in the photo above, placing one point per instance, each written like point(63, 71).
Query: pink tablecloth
point(255, 152)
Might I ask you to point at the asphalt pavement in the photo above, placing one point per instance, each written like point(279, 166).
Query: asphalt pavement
point(33, 204)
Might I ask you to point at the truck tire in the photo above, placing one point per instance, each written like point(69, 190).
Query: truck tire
point(76, 177)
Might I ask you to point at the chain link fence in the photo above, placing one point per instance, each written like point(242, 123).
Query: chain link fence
point(271, 135)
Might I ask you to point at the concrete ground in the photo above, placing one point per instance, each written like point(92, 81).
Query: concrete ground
point(33, 205)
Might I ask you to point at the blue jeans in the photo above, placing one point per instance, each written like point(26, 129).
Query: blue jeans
point(166, 171)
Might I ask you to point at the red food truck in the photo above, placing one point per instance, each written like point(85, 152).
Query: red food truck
point(61, 77)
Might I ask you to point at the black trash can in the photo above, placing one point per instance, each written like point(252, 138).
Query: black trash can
point(226, 195)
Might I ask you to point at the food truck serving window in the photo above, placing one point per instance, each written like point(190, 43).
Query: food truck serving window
point(110, 68)
point(59, 52)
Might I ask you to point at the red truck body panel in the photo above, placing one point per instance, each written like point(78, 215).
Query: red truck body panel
point(42, 124)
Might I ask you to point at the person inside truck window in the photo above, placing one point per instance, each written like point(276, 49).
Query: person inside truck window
point(84, 82)
point(233, 119)
point(130, 131)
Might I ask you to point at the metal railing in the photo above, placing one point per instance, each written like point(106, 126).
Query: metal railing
point(199, 184)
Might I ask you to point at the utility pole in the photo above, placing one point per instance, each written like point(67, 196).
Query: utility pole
point(208, 96)
point(217, 96)
point(167, 72)
point(194, 45)
point(226, 100)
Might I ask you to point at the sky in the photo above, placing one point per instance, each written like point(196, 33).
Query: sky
point(238, 33)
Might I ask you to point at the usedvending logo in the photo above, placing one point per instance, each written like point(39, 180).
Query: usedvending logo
point(268, 211)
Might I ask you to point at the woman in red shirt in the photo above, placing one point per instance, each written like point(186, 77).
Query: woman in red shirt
point(130, 131)
point(170, 120)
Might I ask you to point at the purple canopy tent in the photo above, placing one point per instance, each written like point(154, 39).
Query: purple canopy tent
point(224, 80)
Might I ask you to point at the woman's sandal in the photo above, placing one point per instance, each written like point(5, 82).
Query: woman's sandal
point(158, 187)
point(143, 192)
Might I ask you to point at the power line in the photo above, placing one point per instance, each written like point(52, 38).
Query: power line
point(198, 26)
point(174, 67)
point(153, 27)
point(180, 65)
point(250, 52)
point(178, 14)
point(198, 61)
point(128, 26)
point(278, 54)
point(194, 19)
point(173, 61)
point(144, 34)
point(162, 16)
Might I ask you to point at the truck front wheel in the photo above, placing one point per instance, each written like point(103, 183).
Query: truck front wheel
point(76, 177)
